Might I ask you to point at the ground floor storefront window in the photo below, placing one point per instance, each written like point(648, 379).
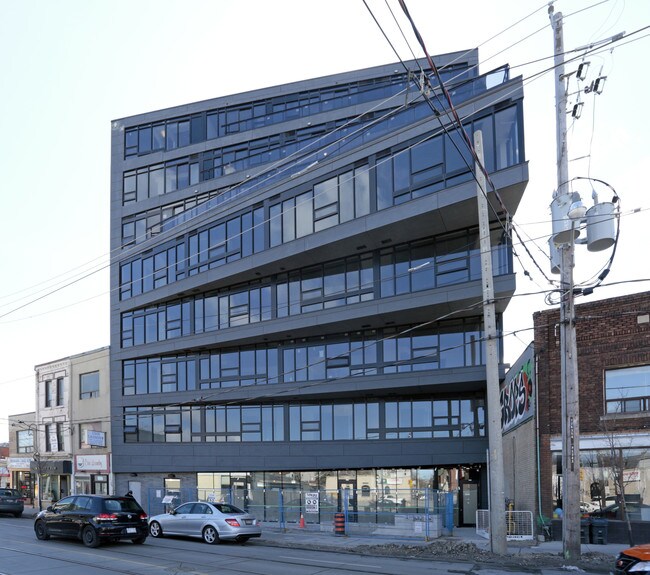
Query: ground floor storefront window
point(366, 495)
point(91, 484)
point(54, 487)
point(23, 481)
point(608, 476)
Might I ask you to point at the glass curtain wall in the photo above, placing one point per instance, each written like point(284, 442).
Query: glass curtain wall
point(368, 495)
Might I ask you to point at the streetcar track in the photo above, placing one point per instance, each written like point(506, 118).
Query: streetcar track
point(111, 569)
point(175, 545)
point(191, 566)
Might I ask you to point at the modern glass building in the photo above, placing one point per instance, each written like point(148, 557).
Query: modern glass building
point(296, 294)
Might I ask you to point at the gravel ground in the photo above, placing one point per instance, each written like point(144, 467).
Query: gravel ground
point(464, 551)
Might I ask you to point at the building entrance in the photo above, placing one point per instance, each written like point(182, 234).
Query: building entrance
point(468, 503)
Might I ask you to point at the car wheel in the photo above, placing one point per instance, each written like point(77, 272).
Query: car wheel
point(210, 535)
point(17, 515)
point(89, 537)
point(139, 540)
point(155, 529)
point(41, 531)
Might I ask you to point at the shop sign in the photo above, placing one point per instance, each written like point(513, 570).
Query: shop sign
point(95, 438)
point(91, 462)
point(52, 466)
point(19, 462)
point(517, 395)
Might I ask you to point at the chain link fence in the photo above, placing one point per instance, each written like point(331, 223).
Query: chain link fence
point(421, 512)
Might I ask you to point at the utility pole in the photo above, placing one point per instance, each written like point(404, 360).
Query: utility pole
point(495, 463)
point(568, 358)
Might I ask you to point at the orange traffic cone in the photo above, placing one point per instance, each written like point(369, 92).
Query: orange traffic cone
point(302, 521)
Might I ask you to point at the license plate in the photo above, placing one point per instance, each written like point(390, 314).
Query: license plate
point(131, 530)
point(248, 521)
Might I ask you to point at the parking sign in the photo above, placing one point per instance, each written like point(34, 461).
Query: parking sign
point(311, 502)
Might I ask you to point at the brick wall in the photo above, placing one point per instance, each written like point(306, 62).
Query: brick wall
point(520, 467)
point(610, 334)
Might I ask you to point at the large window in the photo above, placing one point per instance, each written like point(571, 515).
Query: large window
point(186, 130)
point(91, 435)
point(25, 441)
point(607, 474)
point(437, 262)
point(425, 418)
point(329, 203)
point(627, 390)
point(89, 385)
point(420, 168)
point(457, 343)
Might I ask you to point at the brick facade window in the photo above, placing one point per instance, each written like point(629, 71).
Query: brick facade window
point(627, 390)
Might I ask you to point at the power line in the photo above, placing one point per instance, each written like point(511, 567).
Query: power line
point(104, 267)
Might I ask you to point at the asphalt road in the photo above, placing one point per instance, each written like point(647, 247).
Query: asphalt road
point(22, 553)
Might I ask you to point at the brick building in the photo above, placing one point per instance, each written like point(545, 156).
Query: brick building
point(613, 342)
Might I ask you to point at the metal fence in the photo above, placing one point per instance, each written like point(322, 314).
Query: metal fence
point(424, 512)
point(519, 525)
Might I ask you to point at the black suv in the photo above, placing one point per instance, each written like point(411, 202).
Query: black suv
point(93, 519)
point(11, 501)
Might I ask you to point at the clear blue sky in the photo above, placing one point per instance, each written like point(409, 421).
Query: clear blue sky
point(70, 67)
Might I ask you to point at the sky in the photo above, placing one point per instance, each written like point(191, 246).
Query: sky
point(70, 67)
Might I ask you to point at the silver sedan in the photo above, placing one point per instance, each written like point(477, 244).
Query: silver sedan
point(209, 521)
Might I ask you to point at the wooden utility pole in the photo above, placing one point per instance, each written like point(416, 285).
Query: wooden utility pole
point(568, 358)
point(495, 463)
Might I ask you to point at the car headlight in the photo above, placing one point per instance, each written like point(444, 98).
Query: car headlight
point(641, 566)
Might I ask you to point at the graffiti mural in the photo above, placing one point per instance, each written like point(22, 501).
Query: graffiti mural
point(517, 399)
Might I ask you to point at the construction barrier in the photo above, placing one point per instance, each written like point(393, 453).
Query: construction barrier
point(339, 524)
point(519, 525)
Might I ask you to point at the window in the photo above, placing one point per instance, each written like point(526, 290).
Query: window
point(54, 437)
point(91, 435)
point(59, 391)
point(48, 393)
point(421, 419)
point(627, 390)
point(25, 441)
point(89, 385)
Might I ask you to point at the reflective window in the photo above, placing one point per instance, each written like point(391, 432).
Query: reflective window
point(216, 123)
point(25, 441)
point(405, 175)
point(459, 417)
point(406, 268)
point(395, 350)
point(89, 385)
point(628, 389)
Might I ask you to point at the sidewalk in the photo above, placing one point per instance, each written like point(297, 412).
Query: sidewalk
point(312, 536)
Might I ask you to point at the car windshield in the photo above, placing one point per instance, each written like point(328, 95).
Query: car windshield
point(114, 505)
